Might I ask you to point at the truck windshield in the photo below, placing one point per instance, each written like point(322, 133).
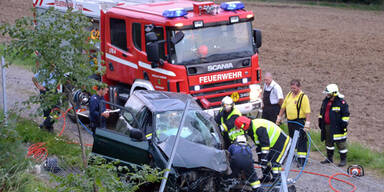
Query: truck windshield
point(196, 128)
point(214, 44)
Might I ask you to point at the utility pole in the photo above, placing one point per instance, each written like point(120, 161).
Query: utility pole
point(4, 90)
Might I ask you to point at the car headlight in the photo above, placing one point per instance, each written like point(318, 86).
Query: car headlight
point(255, 92)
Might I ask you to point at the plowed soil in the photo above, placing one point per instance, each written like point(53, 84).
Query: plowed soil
point(321, 45)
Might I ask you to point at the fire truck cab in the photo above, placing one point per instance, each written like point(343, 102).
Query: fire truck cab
point(206, 50)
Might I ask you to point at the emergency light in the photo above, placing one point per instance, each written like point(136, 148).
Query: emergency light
point(232, 6)
point(173, 13)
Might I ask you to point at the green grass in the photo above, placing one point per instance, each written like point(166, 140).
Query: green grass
point(15, 138)
point(57, 146)
point(357, 153)
point(27, 63)
point(372, 7)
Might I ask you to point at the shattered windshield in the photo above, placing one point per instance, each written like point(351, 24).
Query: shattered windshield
point(214, 44)
point(197, 128)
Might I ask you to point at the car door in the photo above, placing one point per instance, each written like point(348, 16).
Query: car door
point(116, 143)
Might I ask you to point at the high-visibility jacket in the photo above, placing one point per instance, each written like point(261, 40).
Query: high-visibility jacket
point(228, 123)
point(338, 116)
point(268, 136)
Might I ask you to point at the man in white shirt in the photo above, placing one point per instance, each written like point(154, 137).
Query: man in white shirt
point(272, 98)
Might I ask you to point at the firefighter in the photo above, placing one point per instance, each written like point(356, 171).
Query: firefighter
point(44, 87)
point(226, 121)
point(242, 161)
point(97, 109)
point(271, 142)
point(333, 122)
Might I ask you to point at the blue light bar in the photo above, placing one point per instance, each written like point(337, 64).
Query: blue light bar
point(173, 13)
point(232, 6)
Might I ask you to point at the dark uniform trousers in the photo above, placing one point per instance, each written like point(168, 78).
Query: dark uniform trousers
point(242, 161)
point(302, 142)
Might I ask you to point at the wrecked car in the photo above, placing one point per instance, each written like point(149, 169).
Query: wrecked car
point(145, 133)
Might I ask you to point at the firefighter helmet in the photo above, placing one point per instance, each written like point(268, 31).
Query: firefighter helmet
point(241, 139)
point(331, 89)
point(227, 103)
point(242, 122)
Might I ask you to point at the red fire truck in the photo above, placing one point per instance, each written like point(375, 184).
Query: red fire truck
point(209, 51)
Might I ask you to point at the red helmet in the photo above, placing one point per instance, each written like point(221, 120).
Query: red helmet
point(242, 122)
point(203, 50)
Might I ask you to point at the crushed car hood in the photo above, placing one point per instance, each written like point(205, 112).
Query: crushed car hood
point(193, 155)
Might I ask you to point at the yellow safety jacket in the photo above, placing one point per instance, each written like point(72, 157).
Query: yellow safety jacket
point(233, 132)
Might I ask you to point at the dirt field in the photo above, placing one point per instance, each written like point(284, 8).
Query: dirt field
point(322, 45)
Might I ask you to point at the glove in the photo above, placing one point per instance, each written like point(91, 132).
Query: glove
point(320, 119)
point(307, 126)
point(278, 120)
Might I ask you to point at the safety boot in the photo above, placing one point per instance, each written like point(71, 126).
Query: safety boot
point(300, 162)
point(329, 158)
point(343, 159)
point(259, 189)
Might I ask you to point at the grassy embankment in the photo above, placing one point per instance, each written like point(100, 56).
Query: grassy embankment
point(357, 153)
point(16, 170)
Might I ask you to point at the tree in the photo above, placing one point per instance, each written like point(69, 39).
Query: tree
point(60, 43)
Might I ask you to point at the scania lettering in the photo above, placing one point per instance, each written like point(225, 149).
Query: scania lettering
point(199, 48)
point(220, 67)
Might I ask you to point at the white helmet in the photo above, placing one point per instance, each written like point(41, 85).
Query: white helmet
point(227, 101)
point(241, 139)
point(333, 90)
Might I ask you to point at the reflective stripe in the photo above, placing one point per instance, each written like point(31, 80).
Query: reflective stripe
point(344, 151)
point(340, 136)
point(276, 170)
point(148, 135)
point(122, 61)
point(320, 116)
point(346, 119)
point(273, 130)
point(159, 70)
point(301, 154)
point(330, 148)
point(233, 132)
point(265, 151)
point(265, 148)
point(287, 145)
point(255, 184)
point(273, 138)
point(335, 108)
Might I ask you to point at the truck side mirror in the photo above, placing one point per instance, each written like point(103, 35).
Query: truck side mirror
point(177, 37)
point(257, 37)
point(136, 134)
point(153, 53)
